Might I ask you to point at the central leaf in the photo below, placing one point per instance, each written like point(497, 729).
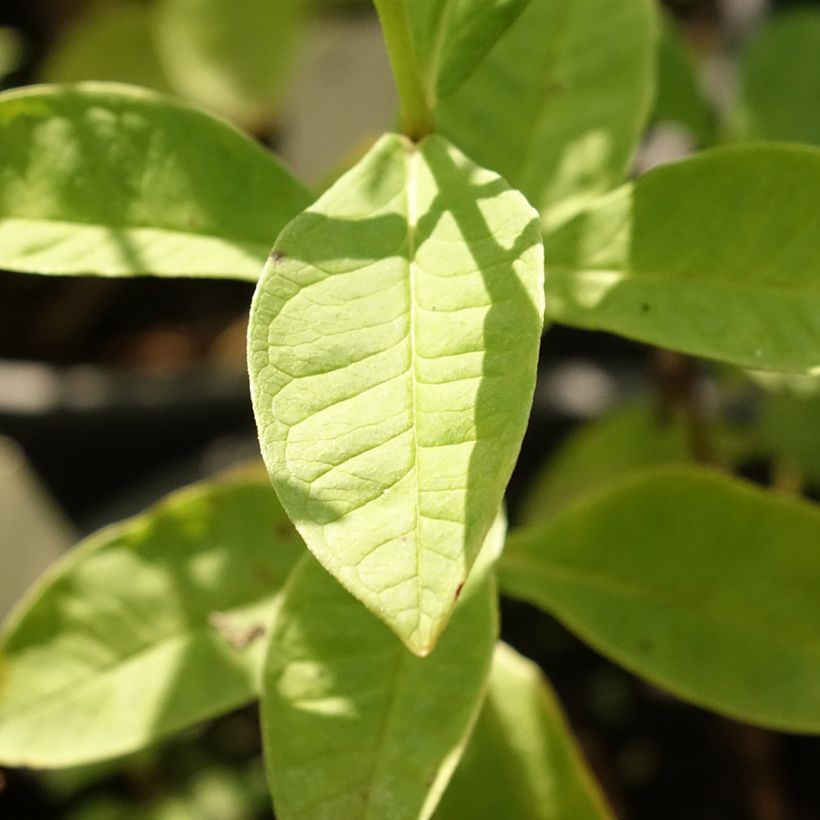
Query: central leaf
point(393, 347)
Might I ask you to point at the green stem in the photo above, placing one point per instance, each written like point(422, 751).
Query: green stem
point(416, 116)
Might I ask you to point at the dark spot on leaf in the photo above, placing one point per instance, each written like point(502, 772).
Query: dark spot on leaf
point(645, 307)
point(645, 645)
point(458, 589)
point(277, 256)
point(239, 637)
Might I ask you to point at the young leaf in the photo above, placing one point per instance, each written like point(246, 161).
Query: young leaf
point(113, 41)
point(702, 584)
point(629, 439)
point(356, 727)
point(148, 627)
point(570, 88)
point(230, 57)
point(392, 351)
point(117, 181)
point(453, 36)
point(780, 79)
point(521, 762)
point(714, 256)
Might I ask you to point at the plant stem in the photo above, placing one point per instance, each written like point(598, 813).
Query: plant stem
point(416, 116)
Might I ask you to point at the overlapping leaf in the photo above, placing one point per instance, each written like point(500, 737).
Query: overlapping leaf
point(522, 762)
point(111, 180)
point(704, 585)
point(147, 628)
point(355, 726)
point(392, 350)
point(716, 256)
point(558, 106)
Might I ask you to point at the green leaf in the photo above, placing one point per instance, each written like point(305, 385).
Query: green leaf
point(680, 98)
point(570, 88)
point(148, 627)
point(453, 36)
point(392, 351)
point(10, 51)
point(117, 181)
point(113, 41)
point(230, 57)
point(631, 438)
point(780, 79)
point(715, 256)
point(704, 585)
point(521, 762)
point(354, 725)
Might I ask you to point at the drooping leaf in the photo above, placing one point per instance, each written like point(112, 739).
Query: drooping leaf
point(558, 106)
point(715, 256)
point(116, 181)
point(354, 725)
point(629, 439)
point(230, 57)
point(780, 79)
point(148, 627)
point(112, 42)
point(521, 762)
point(680, 98)
point(453, 36)
point(392, 351)
point(704, 585)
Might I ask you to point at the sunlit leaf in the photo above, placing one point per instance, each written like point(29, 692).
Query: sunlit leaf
point(114, 181)
point(558, 106)
point(392, 350)
point(146, 628)
point(716, 256)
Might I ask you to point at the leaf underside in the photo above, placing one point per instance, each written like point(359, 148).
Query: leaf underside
point(392, 348)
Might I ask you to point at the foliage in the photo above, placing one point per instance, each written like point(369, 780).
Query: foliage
point(393, 345)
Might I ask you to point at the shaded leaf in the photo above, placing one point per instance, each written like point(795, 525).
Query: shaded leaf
point(148, 627)
point(521, 762)
point(116, 181)
point(453, 36)
point(780, 79)
point(392, 350)
point(113, 41)
point(354, 725)
point(570, 88)
point(716, 256)
point(704, 585)
point(230, 57)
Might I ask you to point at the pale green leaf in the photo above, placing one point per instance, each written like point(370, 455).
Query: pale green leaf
point(356, 727)
point(558, 106)
point(117, 181)
point(716, 256)
point(392, 351)
point(704, 585)
point(780, 79)
point(230, 57)
point(453, 36)
point(112, 41)
point(521, 762)
point(148, 627)
point(630, 438)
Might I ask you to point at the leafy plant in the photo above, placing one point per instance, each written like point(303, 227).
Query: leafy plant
point(393, 345)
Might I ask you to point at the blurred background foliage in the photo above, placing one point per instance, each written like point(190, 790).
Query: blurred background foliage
point(113, 393)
